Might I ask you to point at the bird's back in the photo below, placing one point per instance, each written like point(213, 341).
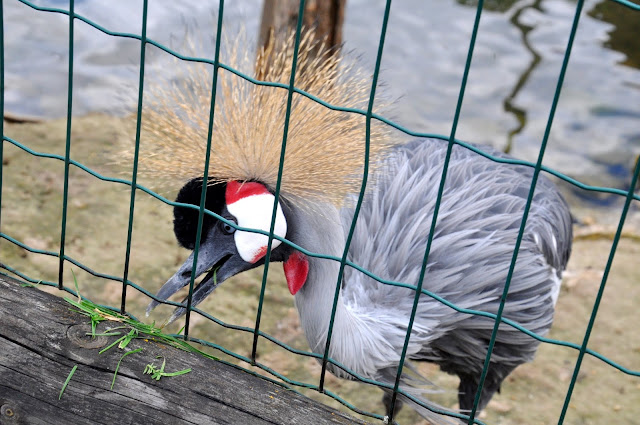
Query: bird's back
point(477, 227)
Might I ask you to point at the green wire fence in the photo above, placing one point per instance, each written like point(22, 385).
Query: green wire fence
point(369, 115)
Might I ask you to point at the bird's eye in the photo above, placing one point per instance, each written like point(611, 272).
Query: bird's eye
point(227, 228)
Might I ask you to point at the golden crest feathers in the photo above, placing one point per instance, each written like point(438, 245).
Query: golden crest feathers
point(325, 149)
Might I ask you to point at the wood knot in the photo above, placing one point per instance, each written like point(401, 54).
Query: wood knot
point(7, 413)
point(80, 335)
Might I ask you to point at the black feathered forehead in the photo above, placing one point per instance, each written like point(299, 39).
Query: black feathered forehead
point(185, 220)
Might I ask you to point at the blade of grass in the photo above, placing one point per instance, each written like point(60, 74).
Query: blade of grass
point(75, 282)
point(112, 344)
point(157, 373)
point(179, 372)
point(73, 370)
point(127, 338)
point(105, 334)
point(118, 365)
point(111, 331)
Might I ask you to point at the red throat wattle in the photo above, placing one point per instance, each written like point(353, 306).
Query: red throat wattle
point(296, 269)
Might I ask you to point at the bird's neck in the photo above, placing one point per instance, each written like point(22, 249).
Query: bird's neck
point(351, 335)
point(322, 234)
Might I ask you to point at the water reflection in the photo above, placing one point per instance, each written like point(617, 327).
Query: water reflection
point(509, 106)
point(595, 137)
point(623, 36)
point(492, 5)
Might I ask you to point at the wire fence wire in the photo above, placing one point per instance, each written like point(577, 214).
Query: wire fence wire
point(369, 115)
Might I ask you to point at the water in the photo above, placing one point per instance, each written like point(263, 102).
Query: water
point(596, 133)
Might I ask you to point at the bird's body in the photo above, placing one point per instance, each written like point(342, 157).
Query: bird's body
point(480, 215)
point(475, 235)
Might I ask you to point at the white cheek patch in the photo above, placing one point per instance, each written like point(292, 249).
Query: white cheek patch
point(254, 212)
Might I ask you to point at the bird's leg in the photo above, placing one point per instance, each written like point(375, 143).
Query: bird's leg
point(467, 393)
point(386, 400)
point(469, 386)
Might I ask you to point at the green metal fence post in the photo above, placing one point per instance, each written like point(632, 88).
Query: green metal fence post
point(65, 197)
point(1, 102)
point(134, 177)
point(436, 210)
point(545, 139)
point(596, 304)
point(276, 200)
point(205, 176)
point(363, 187)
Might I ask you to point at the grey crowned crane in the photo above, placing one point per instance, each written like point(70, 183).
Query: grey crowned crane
point(474, 239)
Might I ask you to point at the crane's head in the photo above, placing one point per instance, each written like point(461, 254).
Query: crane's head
point(224, 251)
point(324, 154)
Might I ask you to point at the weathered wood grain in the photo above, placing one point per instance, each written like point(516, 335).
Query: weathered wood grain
point(324, 16)
point(280, 19)
point(41, 340)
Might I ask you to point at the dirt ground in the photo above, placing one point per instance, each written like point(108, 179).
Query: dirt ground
point(96, 236)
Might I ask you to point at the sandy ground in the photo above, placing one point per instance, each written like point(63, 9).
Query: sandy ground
point(96, 236)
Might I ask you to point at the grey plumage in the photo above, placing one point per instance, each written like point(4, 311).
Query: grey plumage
point(476, 231)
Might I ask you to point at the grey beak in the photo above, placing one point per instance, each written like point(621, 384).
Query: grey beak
point(217, 257)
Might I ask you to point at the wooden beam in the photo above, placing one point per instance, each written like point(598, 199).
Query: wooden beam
point(323, 17)
point(41, 339)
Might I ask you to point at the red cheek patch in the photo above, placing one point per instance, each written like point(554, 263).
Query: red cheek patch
point(296, 270)
point(238, 190)
point(261, 253)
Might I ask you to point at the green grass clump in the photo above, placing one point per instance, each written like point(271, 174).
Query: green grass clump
point(157, 373)
point(128, 329)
